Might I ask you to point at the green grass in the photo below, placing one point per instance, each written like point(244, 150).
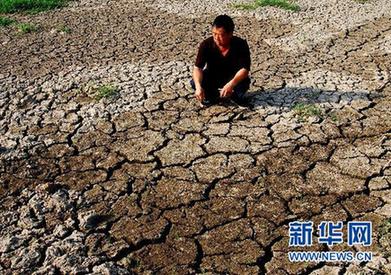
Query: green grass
point(243, 6)
point(11, 6)
point(283, 4)
point(385, 237)
point(26, 28)
point(5, 21)
point(177, 236)
point(106, 91)
point(333, 116)
point(64, 29)
point(303, 111)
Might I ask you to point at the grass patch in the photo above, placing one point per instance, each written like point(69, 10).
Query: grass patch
point(283, 4)
point(64, 29)
point(11, 6)
point(303, 111)
point(244, 6)
point(385, 237)
point(5, 21)
point(26, 28)
point(106, 91)
point(333, 116)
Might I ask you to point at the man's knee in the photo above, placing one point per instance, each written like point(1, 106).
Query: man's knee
point(242, 88)
point(204, 84)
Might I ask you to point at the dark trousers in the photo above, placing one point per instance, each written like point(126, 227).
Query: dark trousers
point(211, 86)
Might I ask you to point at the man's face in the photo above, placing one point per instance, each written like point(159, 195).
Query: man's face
point(221, 37)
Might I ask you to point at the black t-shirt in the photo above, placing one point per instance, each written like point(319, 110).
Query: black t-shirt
point(223, 67)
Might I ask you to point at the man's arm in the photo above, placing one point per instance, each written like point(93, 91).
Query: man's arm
point(197, 77)
point(227, 90)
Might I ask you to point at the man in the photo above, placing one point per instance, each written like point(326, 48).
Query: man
point(222, 66)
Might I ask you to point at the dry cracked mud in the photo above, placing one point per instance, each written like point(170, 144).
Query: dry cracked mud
point(145, 181)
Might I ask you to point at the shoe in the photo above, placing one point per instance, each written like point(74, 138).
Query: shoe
point(208, 102)
point(241, 102)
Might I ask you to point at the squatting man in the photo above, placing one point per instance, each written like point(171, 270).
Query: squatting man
point(222, 65)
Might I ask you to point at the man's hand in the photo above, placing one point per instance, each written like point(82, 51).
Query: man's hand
point(227, 90)
point(200, 94)
point(197, 77)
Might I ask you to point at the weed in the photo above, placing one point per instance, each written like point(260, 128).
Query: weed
point(283, 4)
point(5, 21)
point(385, 237)
point(64, 29)
point(11, 6)
point(106, 91)
point(26, 28)
point(177, 236)
point(333, 116)
point(243, 6)
point(304, 111)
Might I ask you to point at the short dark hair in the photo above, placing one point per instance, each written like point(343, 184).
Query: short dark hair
point(224, 21)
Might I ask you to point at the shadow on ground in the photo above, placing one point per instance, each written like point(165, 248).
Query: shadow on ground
point(288, 97)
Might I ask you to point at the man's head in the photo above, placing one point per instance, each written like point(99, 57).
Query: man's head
point(222, 30)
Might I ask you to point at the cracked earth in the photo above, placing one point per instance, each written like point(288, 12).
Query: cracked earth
point(146, 181)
